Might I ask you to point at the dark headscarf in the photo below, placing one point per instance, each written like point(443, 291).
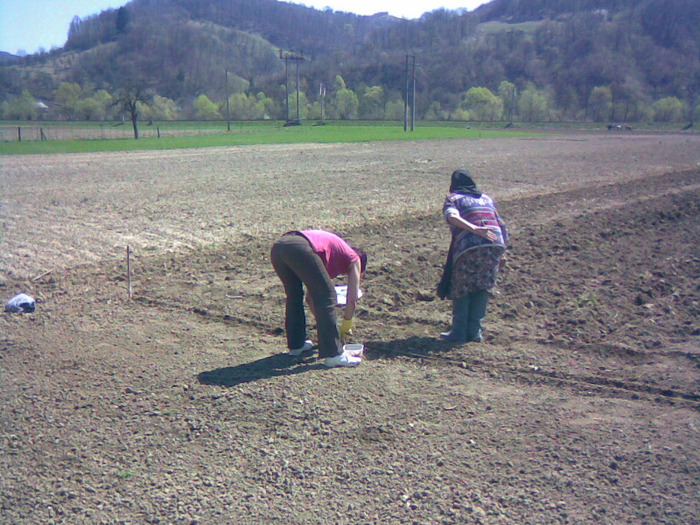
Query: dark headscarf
point(462, 182)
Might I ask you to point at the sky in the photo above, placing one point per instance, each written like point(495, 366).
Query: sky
point(26, 26)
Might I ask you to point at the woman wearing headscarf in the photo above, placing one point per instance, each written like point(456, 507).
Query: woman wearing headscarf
point(479, 240)
point(312, 258)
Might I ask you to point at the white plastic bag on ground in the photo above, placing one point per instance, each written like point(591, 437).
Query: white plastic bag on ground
point(21, 303)
point(341, 292)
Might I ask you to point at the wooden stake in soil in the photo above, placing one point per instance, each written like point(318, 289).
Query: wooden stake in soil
point(128, 271)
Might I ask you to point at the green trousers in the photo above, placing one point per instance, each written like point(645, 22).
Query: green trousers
point(467, 314)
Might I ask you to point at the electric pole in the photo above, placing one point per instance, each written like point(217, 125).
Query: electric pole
point(228, 109)
point(410, 98)
point(294, 57)
point(322, 94)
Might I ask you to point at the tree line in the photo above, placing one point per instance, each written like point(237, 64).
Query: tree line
point(72, 102)
point(550, 60)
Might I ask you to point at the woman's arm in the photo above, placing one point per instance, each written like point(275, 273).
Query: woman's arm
point(353, 289)
point(353, 294)
point(504, 230)
point(456, 220)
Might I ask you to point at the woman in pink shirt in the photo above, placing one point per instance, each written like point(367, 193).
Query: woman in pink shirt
point(313, 258)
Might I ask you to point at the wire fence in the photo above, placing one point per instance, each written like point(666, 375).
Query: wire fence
point(40, 131)
point(55, 130)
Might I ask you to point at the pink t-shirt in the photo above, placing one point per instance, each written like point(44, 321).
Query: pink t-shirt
point(336, 254)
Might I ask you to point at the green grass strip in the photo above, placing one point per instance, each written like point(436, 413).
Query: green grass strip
point(247, 134)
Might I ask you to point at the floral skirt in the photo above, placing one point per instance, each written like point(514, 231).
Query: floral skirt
point(475, 269)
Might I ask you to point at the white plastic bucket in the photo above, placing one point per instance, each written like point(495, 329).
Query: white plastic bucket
point(354, 349)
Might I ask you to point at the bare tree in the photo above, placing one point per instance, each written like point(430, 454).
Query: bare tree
point(128, 101)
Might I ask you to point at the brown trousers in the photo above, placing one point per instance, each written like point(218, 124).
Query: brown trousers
point(297, 265)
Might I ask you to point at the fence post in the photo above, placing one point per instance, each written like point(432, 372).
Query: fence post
point(19, 134)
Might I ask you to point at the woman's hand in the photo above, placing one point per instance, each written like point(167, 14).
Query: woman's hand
point(345, 330)
point(481, 231)
point(486, 233)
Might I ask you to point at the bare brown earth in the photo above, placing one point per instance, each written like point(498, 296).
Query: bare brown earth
point(180, 406)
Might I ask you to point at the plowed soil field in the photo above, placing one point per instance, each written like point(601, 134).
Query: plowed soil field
point(178, 405)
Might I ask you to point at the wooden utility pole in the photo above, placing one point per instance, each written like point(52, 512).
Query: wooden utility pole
point(322, 94)
point(413, 95)
point(228, 108)
point(410, 99)
point(405, 100)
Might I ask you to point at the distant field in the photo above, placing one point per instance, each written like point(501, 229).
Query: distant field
point(88, 137)
point(73, 137)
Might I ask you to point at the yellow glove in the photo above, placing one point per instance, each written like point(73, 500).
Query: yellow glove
point(346, 329)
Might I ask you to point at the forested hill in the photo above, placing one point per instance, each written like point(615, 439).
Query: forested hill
point(532, 59)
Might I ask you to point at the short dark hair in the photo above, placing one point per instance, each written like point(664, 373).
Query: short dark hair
point(363, 259)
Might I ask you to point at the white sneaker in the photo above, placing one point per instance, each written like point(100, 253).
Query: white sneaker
point(342, 360)
point(308, 345)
